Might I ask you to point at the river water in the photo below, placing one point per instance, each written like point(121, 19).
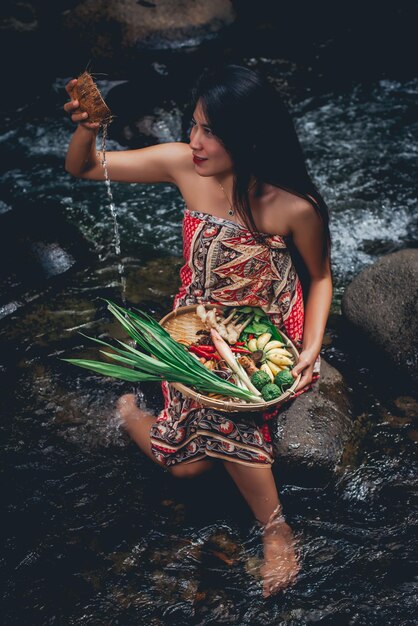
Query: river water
point(95, 533)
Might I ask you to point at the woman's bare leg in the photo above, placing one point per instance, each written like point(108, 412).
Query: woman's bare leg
point(138, 423)
point(258, 487)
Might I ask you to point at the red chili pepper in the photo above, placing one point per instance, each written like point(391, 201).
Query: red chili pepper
point(250, 336)
point(239, 343)
point(207, 353)
point(200, 351)
point(240, 350)
point(205, 347)
point(197, 350)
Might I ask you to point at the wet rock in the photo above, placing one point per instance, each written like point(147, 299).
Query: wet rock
point(312, 432)
point(381, 304)
point(155, 281)
point(156, 115)
point(4, 207)
point(50, 323)
point(407, 405)
point(129, 25)
point(222, 547)
point(216, 603)
point(413, 435)
point(20, 17)
point(53, 259)
point(252, 565)
point(37, 246)
point(9, 308)
point(26, 42)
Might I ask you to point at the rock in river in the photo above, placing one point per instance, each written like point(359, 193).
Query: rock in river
point(382, 304)
point(129, 25)
point(312, 432)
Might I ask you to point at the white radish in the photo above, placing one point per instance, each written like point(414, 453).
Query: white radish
point(225, 352)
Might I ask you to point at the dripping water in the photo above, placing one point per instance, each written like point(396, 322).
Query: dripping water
point(113, 212)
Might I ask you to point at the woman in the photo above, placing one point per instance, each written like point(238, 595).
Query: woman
point(249, 203)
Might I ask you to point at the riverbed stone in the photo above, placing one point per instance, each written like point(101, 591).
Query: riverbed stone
point(52, 258)
point(130, 25)
point(381, 303)
point(312, 432)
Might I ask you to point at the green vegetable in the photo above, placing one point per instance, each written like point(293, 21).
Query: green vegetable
point(284, 379)
point(259, 379)
point(270, 392)
point(158, 358)
point(256, 311)
point(260, 324)
point(257, 328)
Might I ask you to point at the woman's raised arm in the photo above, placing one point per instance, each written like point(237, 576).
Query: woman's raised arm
point(161, 163)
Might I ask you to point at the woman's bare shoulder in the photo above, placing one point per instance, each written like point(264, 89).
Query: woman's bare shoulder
point(286, 209)
point(301, 214)
point(171, 161)
point(180, 157)
point(178, 151)
point(291, 201)
point(176, 147)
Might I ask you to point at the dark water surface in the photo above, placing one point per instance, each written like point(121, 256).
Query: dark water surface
point(94, 533)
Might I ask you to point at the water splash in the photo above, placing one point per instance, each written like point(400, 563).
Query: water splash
point(113, 212)
point(361, 151)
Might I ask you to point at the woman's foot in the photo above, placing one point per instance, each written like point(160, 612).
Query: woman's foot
point(280, 561)
point(127, 409)
point(137, 423)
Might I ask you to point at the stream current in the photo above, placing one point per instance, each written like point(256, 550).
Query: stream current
point(96, 534)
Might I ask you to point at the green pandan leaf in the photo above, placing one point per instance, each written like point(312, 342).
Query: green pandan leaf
point(157, 357)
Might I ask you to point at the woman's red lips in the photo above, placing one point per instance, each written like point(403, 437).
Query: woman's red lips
point(198, 160)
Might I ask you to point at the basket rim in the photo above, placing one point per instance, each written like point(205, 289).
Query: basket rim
point(228, 405)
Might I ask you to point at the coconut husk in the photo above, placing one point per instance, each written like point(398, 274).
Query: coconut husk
point(90, 100)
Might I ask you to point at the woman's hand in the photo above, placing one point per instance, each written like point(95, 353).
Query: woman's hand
point(304, 367)
point(77, 116)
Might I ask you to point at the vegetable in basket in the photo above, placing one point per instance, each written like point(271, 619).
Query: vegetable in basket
point(271, 392)
point(259, 379)
point(159, 357)
point(284, 379)
point(260, 324)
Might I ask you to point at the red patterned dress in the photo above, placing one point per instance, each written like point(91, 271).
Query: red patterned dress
point(226, 265)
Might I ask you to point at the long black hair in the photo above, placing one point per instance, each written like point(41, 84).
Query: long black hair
point(249, 118)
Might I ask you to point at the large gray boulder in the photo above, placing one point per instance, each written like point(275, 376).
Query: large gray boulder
point(382, 304)
point(128, 25)
point(312, 431)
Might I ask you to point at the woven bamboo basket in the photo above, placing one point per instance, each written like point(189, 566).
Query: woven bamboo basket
point(182, 324)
